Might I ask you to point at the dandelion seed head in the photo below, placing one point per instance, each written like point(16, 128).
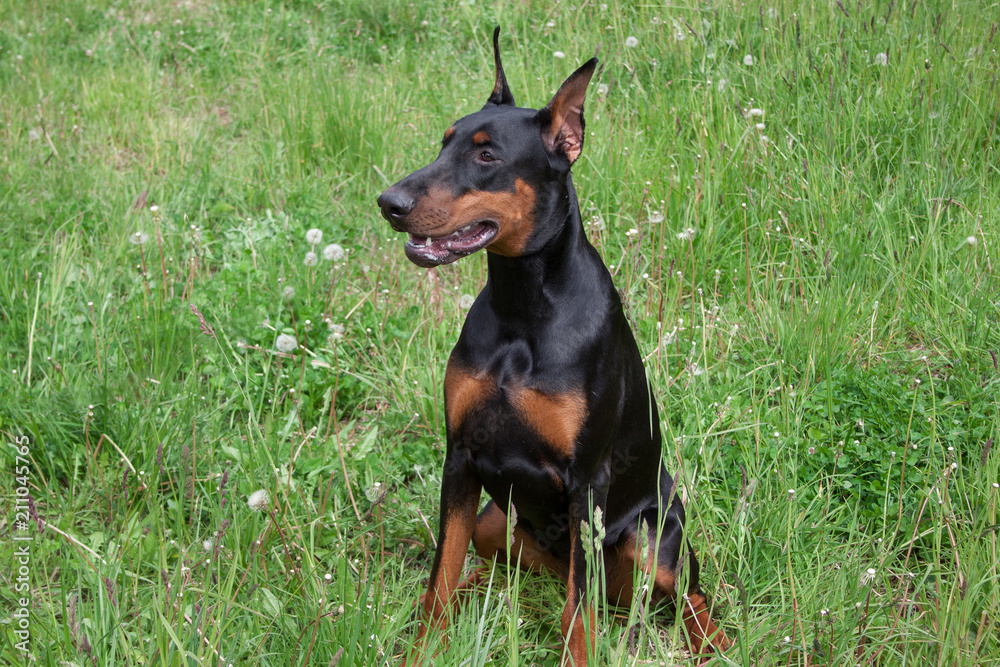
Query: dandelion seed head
point(285, 343)
point(333, 253)
point(748, 60)
point(631, 42)
point(310, 259)
point(257, 500)
point(558, 54)
point(314, 236)
point(881, 59)
point(971, 240)
point(465, 301)
point(139, 238)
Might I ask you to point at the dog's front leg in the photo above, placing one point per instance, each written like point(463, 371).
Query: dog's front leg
point(579, 614)
point(459, 501)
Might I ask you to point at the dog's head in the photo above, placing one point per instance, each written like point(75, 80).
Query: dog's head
point(499, 170)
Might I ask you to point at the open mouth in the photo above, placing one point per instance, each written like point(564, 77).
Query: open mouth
point(428, 251)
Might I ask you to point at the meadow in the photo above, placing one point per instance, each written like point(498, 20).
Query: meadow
point(223, 431)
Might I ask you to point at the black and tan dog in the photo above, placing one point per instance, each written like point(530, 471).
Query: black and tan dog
point(547, 403)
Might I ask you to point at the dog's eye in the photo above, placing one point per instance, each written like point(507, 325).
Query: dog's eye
point(486, 156)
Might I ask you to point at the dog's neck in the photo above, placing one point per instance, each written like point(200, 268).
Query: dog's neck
point(533, 286)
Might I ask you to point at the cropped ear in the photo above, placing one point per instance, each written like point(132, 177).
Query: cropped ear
point(501, 95)
point(562, 118)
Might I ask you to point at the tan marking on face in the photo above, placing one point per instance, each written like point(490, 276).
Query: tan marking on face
point(557, 418)
point(440, 214)
point(480, 138)
point(447, 133)
point(462, 391)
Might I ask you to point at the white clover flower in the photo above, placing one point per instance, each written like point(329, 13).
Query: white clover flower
point(333, 253)
point(881, 59)
point(139, 238)
point(257, 500)
point(748, 60)
point(631, 42)
point(314, 236)
point(310, 259)
point(559, 54)
point(285, 343)
point(465, 301)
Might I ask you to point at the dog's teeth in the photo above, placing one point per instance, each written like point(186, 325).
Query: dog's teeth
point(427, 241)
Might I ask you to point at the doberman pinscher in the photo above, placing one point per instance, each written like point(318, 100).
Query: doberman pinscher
point(547, 404)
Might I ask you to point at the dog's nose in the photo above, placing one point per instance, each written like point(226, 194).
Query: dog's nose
point(395, 206)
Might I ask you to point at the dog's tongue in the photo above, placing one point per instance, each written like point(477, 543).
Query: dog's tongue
point(426, 251)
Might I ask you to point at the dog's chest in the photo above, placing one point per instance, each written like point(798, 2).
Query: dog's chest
point(513, 436)
point(490, 413)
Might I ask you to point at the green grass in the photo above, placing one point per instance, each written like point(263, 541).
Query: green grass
point(830, 327)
